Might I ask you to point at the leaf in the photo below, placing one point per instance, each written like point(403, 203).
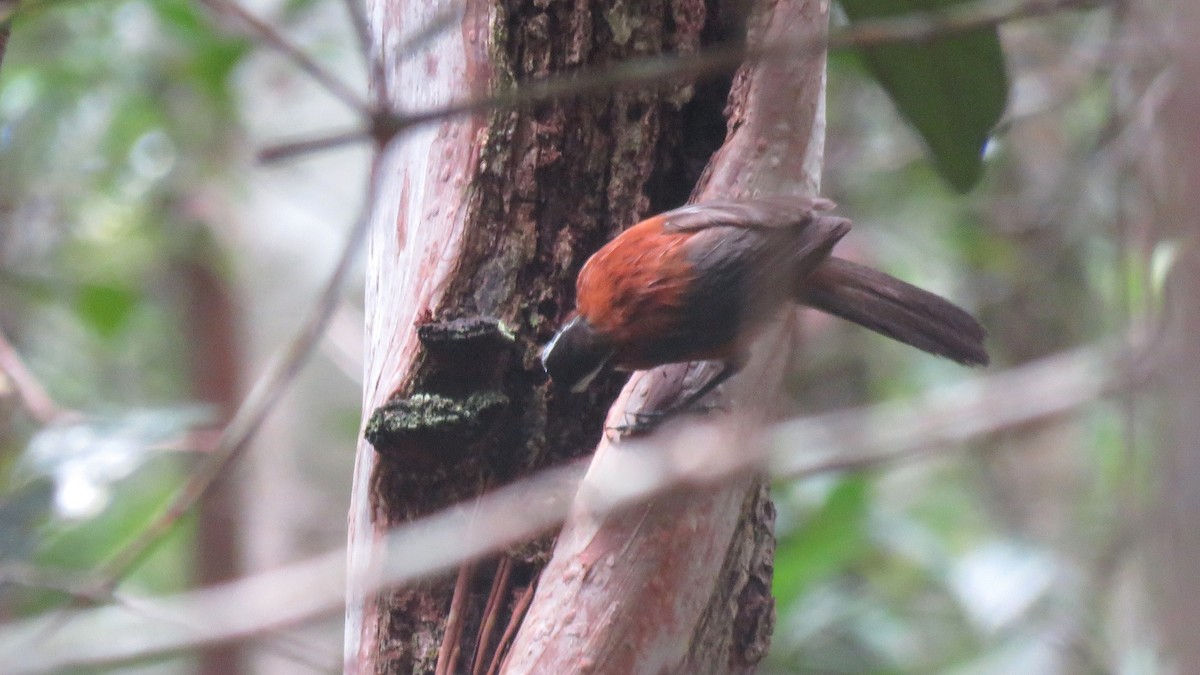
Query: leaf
point(836, 534)
point(105, 308)
point(952, 90)
point(211, 54)
point(135, 501)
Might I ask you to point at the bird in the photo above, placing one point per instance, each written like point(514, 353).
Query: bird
point(698, 283)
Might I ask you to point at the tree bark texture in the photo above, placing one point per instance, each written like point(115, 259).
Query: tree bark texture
point(682, 584)
point(479, 226)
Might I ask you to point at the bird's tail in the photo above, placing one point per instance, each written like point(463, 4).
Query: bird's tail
point(896, 309)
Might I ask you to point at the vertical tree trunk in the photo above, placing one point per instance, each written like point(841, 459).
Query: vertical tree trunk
point(1177, 576)
point(215, 365)
point(682, 584)
point(479, 227)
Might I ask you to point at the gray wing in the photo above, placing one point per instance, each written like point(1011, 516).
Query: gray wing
point(759, 212)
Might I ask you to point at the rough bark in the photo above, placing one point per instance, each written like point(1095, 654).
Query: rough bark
point(478, 229)
point(682, 584)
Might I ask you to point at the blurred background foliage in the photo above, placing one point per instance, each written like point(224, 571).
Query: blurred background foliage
point(131, 206)
point(111, 115)
point(134, 222)
point(1015, 556)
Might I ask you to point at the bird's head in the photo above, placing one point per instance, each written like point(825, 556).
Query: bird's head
point(576, 354)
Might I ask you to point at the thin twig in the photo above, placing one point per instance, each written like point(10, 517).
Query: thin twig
point(31, 392)
point(86, 593)
point(896, 431)
point(276, 40)
point(21, 574)
point(250, 416)
point(289, 149)
point(236, 436)
point(382, 126)
point(667, 68)
point(362, 29)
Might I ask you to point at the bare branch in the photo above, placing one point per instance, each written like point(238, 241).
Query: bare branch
point(667, 68)
point(657, 70)
point(289, 149)
point(949, 418)
point(249, 417)
point(146, 610)
point(31, 392)
point(358, 22)
point(942, 421)
point(236, 437)
point(21, 574)
point(956, 18)
point(277, 41)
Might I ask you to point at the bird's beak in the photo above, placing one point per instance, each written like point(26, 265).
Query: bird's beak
point(586, 380)
point(573, 348)
point(554, 341)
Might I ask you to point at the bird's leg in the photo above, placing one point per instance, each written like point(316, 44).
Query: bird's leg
point(647, 421)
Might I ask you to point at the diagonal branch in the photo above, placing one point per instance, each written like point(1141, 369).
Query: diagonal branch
point(940, 422)
point(659, 70)
point(273, 38)
point(665, 69)
point(31, 392)
point(235, 438)
point(267, 390)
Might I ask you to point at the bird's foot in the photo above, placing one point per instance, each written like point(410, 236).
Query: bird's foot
point(644, 422)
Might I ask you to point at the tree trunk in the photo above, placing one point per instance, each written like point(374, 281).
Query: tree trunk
point(480, 225)
point(214, 367)
point(682, 584)
point(1177, 574)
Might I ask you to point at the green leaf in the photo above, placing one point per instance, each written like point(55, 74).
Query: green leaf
point(136, 501)
point(836, 534)
point(952, 90)
point(105, 308)
point(211, 55)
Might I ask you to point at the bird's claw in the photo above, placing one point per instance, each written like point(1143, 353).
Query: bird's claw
point(643, 422)
point(639, 423)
